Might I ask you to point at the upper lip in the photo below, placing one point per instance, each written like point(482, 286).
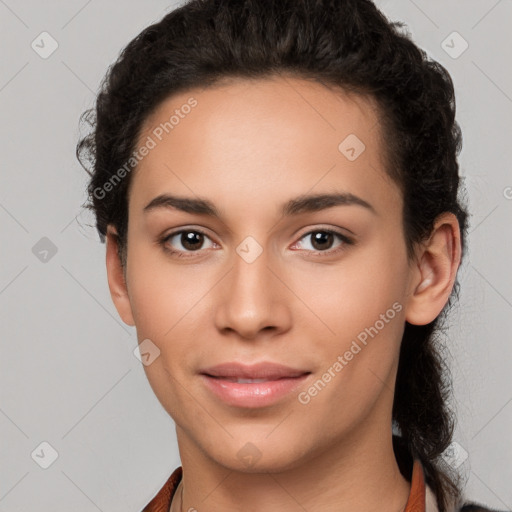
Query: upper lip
point(264, 370)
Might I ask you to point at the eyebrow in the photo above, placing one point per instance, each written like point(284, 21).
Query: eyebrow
point(295, 206)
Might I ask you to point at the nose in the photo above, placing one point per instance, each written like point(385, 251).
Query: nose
point(253, 300)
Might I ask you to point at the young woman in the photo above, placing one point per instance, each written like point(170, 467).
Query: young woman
point(278, 187)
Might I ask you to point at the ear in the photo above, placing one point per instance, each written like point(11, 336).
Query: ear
point(434, 272)
point(116, 278)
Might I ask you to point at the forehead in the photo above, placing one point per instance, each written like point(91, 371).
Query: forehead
point(233, 105)
point(266, 136)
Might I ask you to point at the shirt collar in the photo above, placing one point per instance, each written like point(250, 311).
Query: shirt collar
point(417, 495)
point(417, 501)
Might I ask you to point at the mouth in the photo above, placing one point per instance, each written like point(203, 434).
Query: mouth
point(241, 380)
point(263, 371)
point(252, 393)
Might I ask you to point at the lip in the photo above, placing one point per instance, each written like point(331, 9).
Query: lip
point(263, 370)
point(279, 381)
point(252, 395)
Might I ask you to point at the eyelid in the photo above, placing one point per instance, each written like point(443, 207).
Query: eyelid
point(164, 239)
point(331, 229)
point(345, 239)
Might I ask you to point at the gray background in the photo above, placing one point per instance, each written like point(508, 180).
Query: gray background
point(68, 375)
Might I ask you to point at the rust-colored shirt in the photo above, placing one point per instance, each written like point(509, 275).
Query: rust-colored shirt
point(416, 502)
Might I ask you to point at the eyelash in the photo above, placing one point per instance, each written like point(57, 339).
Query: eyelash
point(329, 252)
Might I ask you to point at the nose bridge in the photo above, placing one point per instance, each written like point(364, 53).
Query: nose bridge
point(251, 298)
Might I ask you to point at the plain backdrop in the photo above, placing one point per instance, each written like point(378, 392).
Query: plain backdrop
point(68, 375)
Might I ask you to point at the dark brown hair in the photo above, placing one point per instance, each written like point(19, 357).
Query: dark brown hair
point(342, 43)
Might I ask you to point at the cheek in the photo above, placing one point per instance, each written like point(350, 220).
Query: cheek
point(359, 372)
point(361, 309)
point(160, 293)
point(168, 305)
point(164, 311)
point(345, 298)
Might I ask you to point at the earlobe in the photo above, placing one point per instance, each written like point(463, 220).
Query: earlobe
point(435, 271)
point(116, 278)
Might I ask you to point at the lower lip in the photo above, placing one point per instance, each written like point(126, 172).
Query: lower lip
point(252, 395)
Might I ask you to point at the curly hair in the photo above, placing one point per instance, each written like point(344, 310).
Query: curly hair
point(347, 44)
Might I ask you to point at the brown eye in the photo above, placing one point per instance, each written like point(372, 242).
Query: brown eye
point(322, 240)
point(191, 240)
point(186, 241)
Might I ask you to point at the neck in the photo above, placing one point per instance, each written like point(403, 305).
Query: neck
point(358, 473)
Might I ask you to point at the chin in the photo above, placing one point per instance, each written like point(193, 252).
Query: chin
point(260, 456)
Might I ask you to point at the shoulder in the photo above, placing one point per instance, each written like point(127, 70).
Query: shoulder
point(162, 501)
point(474, 507)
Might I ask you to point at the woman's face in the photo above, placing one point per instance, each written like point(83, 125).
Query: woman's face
point(262, 279)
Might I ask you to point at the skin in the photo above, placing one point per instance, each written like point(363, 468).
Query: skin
point(249, 147)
